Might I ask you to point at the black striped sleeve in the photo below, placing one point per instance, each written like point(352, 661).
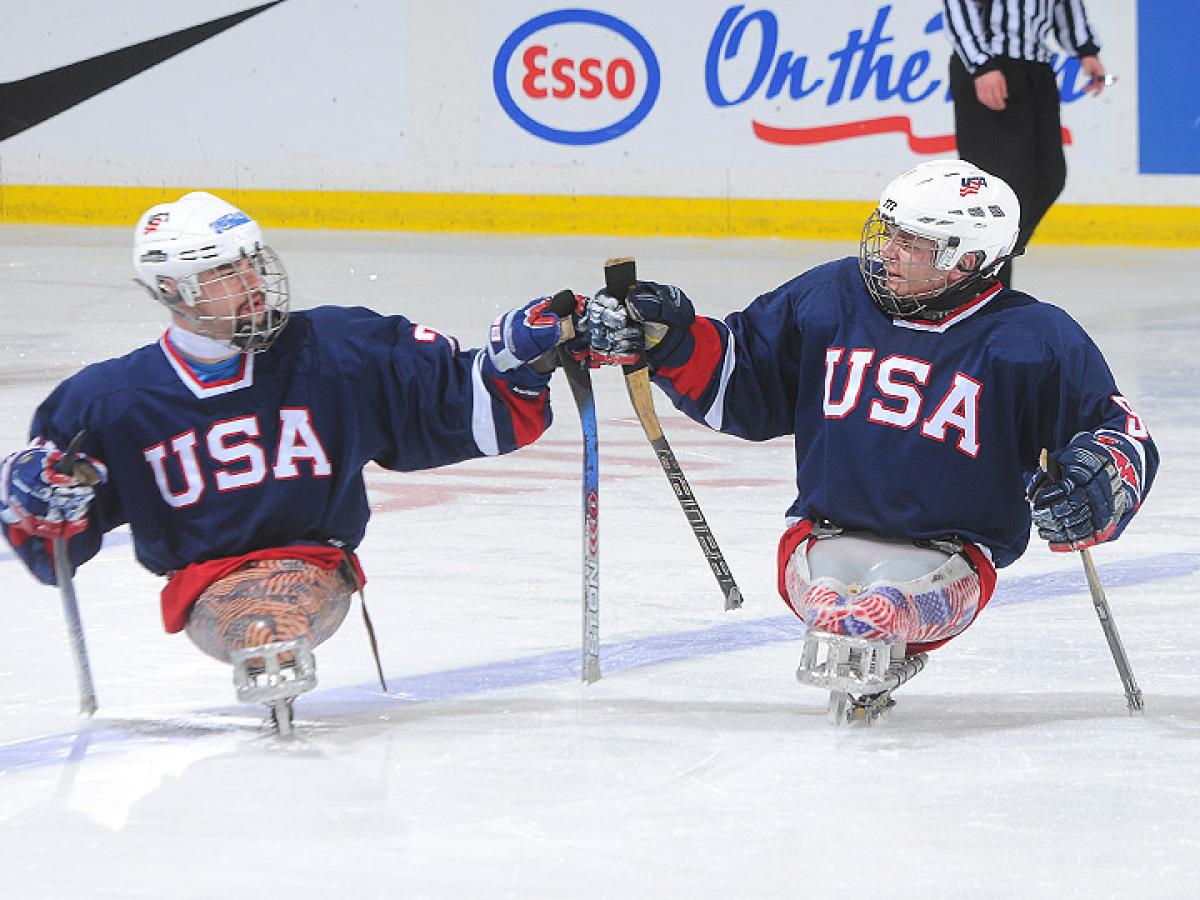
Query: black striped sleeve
point(1072, 30)
point(968, 33)
point(1036, 23)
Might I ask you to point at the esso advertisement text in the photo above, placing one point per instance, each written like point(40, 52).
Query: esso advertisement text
point(576, 76)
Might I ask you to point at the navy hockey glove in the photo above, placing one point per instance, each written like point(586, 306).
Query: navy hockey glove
point(43, 502)
point(613, 340)
point(1097, 489)
point(530, 335)
point(654, 319)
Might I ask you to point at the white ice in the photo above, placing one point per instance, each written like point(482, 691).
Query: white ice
point(697, 767)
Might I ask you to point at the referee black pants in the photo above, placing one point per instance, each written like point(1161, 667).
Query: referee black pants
point(1021, 143)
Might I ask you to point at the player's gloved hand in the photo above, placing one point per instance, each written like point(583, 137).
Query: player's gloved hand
point(653, 319)
point(44, 502)
point(528, 335)
point(577, 343)
point(614, 339)
point(1098, 487)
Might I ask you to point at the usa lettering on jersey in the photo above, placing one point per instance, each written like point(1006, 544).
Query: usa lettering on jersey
point(899, 381)
point(233, 458)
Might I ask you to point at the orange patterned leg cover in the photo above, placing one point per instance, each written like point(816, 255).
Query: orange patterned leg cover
point(269, 600)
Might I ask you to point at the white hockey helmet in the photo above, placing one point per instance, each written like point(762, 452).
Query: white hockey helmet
point(958, 209)
point(175, 243)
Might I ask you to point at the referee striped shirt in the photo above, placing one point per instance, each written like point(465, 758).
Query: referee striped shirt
point(982, 31)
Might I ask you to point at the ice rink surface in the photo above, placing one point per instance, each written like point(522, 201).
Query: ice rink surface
point(697, 767)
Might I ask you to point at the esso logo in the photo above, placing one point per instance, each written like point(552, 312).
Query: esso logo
point(576, 76)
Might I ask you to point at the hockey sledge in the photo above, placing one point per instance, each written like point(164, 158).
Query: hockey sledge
point(860, 674)
point(275, 674)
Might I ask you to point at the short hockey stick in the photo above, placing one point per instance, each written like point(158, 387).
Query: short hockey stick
point(370, 626)
point(1133, 693)
point(84, 473)
point(580, 380)
point(619, 275)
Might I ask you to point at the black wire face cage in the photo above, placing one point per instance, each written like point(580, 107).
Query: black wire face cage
point(913, 266)
point(256, 288)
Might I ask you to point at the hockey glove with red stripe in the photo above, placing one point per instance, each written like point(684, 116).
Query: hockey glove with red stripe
point(1098, 488)
point(41, 501)
point(653, 319)
point(529, 335)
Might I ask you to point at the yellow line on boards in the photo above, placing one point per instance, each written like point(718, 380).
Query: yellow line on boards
point(1148, 226)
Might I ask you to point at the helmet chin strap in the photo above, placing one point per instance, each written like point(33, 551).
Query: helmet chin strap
point(953, 297)
point(248, 338)
point(207, 346)
point(961, 291)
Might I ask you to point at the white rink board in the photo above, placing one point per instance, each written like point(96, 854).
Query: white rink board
point(394, 95)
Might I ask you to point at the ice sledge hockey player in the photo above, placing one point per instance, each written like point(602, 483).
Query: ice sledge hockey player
point(920, 394)
point(234, 446)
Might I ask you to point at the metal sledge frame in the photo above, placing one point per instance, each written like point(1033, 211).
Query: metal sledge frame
point(859, 673)
point(274, 681)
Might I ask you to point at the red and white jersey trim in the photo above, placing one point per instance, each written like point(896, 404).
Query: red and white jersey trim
point(965, 311)
point(483, 423)
point(715, 417)
point(179, 362)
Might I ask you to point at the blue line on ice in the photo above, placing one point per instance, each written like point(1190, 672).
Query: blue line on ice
point(560, 665)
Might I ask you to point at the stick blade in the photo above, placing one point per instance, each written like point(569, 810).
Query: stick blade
point(733, 599)
point(591, 671)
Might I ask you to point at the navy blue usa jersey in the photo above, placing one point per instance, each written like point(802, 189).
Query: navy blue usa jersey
point(905, 428)
point(274, 455)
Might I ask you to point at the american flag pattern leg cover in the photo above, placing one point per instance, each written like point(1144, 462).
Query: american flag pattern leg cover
point(269, 600)
point(916, 612)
